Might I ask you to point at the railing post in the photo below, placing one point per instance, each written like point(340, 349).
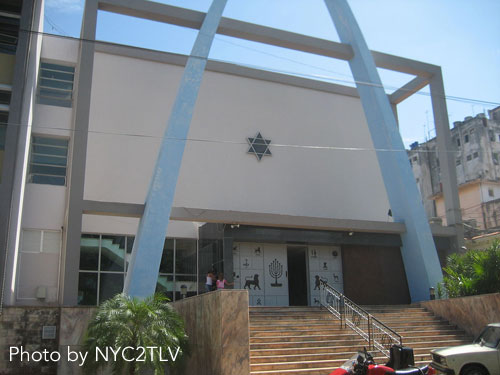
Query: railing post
point(370, 338)
point(342, 310)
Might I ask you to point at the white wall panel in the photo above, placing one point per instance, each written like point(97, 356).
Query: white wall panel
point(44, 206)
point(126, 225)
point(131, 100)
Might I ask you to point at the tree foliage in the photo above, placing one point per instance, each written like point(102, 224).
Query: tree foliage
point(129, 322)
point(475, 272)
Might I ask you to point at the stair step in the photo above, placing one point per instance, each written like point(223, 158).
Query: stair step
point(310, 341)
point(301, 338)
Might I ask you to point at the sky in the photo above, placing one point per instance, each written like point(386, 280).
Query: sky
point(461, 36)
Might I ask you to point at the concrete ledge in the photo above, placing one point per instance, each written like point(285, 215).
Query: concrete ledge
point(217, 325)
point(469, 313)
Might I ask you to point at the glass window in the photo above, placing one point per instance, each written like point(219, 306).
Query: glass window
point(466, 138)
point(56, 84)
point(4, 117)
point(51, 242)
point(5, 97)
point(458, 142)
point(167, 258)
point(110, 284)
point(165, 285)
point(185, 256)
point(49, 157)
point(103, 259)
point(87, 289)
point(495, 158)
point(475, 155)
point(31, 241)
point(459, 162)
point(89, 252)
point(491, 193)
point(185, 283)
point(9, 30)
point(469, 157)
point(112, 253)
point(128, 255)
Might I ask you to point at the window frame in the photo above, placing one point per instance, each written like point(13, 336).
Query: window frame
point(33, 154)
point(127, 237)
point(44, 90)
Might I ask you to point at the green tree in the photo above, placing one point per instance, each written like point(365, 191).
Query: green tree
point(475, 272)
point(129, 322)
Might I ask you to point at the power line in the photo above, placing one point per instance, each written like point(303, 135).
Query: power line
point(305, 75)
point(55, 26)
point(207, 140)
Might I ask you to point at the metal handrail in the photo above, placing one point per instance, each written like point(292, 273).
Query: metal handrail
point(378, 335)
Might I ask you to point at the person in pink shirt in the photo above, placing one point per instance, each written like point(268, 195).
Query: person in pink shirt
point(222, 282)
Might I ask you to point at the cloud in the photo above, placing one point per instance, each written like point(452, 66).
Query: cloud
point(66, 6)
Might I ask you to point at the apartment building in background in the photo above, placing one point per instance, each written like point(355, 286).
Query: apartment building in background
point(476, 148)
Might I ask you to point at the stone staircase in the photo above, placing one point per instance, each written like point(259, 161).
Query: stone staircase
point(310, 341)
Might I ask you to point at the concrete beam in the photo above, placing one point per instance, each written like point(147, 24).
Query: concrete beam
point(408, 90)
point(203, 215)
point(257, 33)
point(246, 218)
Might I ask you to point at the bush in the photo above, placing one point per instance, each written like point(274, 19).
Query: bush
point(129, 322)
point(475, 272)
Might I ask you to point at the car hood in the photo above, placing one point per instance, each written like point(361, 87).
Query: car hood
point(462, 349)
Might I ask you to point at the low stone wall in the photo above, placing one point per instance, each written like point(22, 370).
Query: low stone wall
point(216, 322)
point(22, 327)
point(217, 325)
point(469, 313)
point(73, 324)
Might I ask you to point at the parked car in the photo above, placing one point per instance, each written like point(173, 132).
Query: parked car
point(482, 357)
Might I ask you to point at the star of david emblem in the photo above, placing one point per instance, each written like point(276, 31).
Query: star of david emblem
point(259, 146)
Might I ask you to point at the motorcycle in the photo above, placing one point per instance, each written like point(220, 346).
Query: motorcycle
point(363, 364)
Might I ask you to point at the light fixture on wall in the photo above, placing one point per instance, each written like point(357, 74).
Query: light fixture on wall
point(235, 226)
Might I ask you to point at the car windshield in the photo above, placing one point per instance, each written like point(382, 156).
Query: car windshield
point(490, 337)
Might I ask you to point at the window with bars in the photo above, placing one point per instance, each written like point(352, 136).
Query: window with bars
point(56, 84)
point(48, 160)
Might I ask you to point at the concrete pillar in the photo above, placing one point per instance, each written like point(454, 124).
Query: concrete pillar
point(419, 253)
point(71, 258)
point(143, 269)
point(446, 160)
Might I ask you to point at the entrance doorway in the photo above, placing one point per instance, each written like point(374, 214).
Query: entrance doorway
point(297, 275)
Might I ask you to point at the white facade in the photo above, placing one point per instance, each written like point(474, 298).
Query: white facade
point(130, 102)
point(131, 98)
